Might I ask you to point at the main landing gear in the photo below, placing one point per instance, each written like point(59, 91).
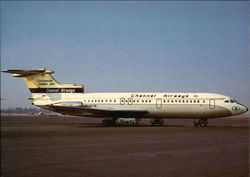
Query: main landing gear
point(200, 122)
point(157, 122)
point(109, 122)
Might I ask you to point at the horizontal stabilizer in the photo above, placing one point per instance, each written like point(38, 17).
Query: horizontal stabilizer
point(41, 81)
point(24, 73)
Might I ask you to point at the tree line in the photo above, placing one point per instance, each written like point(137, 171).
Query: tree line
point(20, 110)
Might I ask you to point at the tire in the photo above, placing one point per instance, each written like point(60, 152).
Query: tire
point(203, 124)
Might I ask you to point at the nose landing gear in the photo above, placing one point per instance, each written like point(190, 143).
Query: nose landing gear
point(200, 122)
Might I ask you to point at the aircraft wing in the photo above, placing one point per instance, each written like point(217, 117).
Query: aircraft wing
point(81, 110)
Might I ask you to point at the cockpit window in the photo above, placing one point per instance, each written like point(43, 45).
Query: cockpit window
point(230, 101)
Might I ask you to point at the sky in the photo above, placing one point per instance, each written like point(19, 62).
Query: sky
point(128, 46)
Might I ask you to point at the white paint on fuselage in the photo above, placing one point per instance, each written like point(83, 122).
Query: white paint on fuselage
point(158, 105)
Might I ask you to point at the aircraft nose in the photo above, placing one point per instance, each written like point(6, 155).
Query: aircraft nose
point(244, 109)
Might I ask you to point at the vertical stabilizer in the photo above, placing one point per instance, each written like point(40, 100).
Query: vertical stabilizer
point(41, 81)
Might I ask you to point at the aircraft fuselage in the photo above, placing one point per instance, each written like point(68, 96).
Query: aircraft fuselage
point(157, 105)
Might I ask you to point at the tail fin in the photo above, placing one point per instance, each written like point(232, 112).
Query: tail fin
point(41, 81)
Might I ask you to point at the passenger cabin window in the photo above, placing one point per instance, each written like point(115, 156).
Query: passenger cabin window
point(227, 101)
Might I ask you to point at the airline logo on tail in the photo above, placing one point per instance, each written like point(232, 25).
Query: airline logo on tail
point(41, 81)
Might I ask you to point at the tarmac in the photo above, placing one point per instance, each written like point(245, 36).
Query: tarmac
point(53, 146)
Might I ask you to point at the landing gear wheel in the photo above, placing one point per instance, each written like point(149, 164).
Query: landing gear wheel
point(109, 122)
point(203, 124)
point(200, 122)
point(154, 122)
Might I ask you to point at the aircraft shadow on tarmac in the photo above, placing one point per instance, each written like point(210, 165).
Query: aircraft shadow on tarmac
point(94, 125)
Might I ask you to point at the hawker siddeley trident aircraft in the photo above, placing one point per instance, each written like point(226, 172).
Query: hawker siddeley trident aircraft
point(70, 99)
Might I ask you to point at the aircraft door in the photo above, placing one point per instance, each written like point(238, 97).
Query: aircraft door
point(211, 103)
point(158, 103)
point(122, 101)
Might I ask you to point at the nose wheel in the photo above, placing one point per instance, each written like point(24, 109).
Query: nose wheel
point(200, 122)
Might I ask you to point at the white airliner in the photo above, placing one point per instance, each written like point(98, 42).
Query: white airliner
point(70, 99)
